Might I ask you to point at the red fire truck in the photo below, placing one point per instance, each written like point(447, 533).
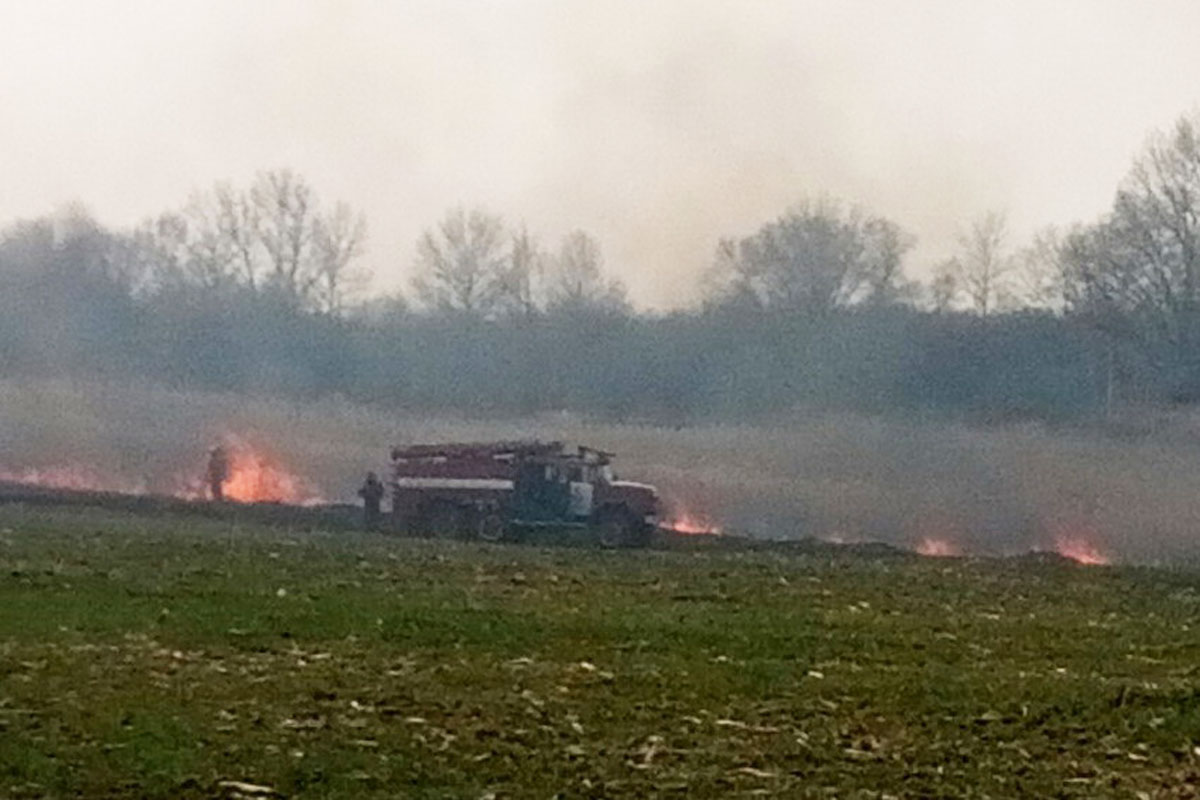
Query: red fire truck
point(499, 490)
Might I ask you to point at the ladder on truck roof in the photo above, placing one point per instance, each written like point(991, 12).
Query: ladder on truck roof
point(456, 450)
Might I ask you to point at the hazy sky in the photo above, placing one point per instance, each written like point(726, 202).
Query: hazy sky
point(656, 126)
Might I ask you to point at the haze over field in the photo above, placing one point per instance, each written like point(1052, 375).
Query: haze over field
point(656, 126)
point(839, 478)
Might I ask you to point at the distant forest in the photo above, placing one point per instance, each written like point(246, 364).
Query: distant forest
point(259, 289)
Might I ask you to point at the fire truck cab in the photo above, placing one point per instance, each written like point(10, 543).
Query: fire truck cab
point(500, 490)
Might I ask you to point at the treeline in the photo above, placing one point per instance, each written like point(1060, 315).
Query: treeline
point(260, 289)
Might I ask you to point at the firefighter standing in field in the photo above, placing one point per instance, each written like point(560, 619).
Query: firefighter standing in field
point(372, 494)
point(218, 472)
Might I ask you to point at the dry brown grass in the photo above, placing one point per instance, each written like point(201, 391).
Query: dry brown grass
point(991, 490)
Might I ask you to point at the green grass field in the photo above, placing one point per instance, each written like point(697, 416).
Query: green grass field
point(160, 657)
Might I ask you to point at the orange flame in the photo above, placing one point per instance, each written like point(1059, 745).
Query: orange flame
point(1075, 536)
point(1077, 548)
point(689, 522)
point(931, 546)
point(255, 476)
point(76, 477)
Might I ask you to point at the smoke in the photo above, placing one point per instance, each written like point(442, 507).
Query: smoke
point(655, 126)
point(941, 487)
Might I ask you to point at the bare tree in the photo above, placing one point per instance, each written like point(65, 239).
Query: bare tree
point(84, 245)
point(238, 221)
point(286, 212)
point(338, 239)
point(984, 265)
point(208, 254)
point(1039, 279)
point(1157, 213)
point(160, 244)
point(576, 270)
point(461, 262)
point(207, 244)
point(577, 279)
point(1135, 273)
point(271, 237)
point(1143, 259)
point(520, 281)
point(814, 258)
point(886, 244)
point(944, 288)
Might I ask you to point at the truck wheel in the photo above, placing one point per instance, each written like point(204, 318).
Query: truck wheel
point(491, 528)
point(444, 521)
point(640, 535)
point(614, 529)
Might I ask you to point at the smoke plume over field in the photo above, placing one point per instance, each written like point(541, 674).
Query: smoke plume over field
point(659, 126)
point(942, 489)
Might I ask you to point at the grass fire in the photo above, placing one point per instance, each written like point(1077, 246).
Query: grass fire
point(681, 520)
point(249, 474)
point(1078, 548)
point(252, 475)
point(930, 546)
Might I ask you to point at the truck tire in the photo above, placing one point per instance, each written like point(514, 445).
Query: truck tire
point(491, 527)
point(615, 527)
point(444, 521)
point(640, 534)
